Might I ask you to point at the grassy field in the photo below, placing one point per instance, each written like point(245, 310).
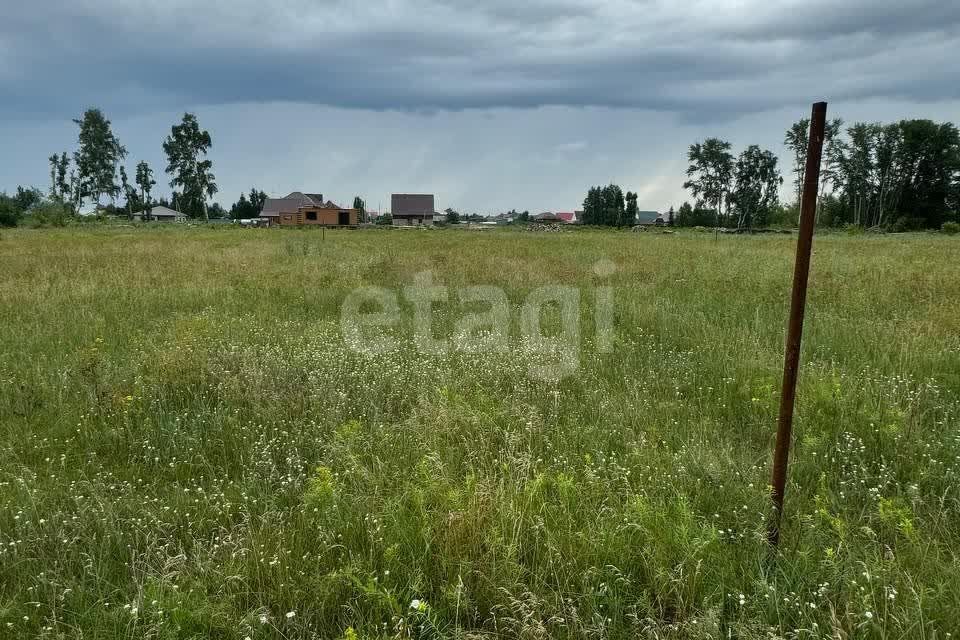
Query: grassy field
point(190, 449)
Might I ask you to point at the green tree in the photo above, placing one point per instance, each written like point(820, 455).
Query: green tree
point(904, 173)
point(257, 200)
point(797, 139)
point(361, 208)
point(27, 197)
point(593, 206)
point(59, 186)
point(97, 157)
point(831, 133)
point(185, 146)
point(453, 216)
point(248, 207)
point(630, 213)
point(241, 209)
point(54, 161)
point(689, 216)
point(13, 207)
point(710, 173)
point(146, 183)
point(930, 171)
point(756, 184)
point(129, 192)
point(605, 206)
point(859, 170)
point(613, 206)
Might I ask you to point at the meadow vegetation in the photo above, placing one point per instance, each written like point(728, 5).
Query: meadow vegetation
point(188, 448)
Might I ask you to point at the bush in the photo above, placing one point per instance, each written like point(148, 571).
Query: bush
point(950, 228)
point(10, 213)
point(905, 223)
point(54, 214)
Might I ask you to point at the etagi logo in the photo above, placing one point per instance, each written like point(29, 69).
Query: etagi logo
point(371, 316)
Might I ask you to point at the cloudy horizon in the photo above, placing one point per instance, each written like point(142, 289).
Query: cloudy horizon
point(490, 107)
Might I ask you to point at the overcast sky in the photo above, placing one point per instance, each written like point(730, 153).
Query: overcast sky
point(490, 105)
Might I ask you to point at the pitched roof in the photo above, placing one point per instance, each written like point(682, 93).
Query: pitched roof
point(308, 199)
point(293, 201)
point(547, 216)
point(276, 206)
point(161, 212)
point(646, 216)
point(412, 204)
point(566, 216)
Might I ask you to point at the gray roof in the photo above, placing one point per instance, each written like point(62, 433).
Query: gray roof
point(412, 204)
point(290, 204)
point(162, 212)
point(274, 206)
point(548, 216)
point(646, 216)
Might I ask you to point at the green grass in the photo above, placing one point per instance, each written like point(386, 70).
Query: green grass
point(189, 450)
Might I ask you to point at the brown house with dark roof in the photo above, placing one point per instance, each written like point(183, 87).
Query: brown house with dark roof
point(300, 208)
point(411, 209)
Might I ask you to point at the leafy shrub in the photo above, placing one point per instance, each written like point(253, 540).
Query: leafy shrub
point(905, 223)
point(53, 214)
point(10, 214)
point(950, 228)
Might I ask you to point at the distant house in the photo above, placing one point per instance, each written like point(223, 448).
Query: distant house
point(273, 207)
point(546, 217)
point(300, 208)
point(412, 209)
point(646, 218)
point(160, 214)
point(569, 217)
point(90, 209)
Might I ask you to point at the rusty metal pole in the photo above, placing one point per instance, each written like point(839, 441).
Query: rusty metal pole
point(801, 272)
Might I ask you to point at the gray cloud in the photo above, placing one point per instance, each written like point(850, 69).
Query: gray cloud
point(490, 105)
point(705, 61)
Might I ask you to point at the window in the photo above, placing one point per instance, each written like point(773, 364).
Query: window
point(311, 215)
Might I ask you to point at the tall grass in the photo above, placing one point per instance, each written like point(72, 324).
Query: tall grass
point(189, 450)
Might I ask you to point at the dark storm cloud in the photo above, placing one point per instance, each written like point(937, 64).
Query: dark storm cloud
point(704, 61)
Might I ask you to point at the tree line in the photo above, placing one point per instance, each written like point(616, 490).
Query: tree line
point(903, 175)
point(609, 206)
point(97, 169)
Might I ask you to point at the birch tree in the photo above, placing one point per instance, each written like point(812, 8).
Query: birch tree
point(97, 157)
point(710, 172)
point(186, 148)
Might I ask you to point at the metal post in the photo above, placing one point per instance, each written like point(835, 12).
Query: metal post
point(801, 272)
